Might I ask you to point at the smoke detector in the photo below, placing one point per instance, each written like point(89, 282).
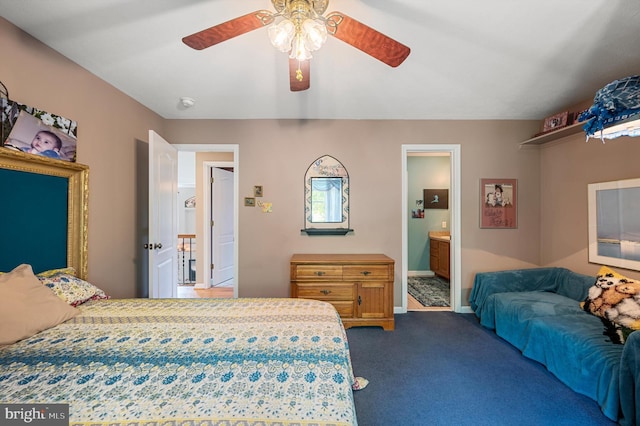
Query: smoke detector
point(187, 102)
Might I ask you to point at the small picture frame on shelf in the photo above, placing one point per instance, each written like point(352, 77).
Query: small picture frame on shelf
point(555, 122)
point(576, 116)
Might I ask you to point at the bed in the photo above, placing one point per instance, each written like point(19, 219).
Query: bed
point(167, 361)
point(188, 361)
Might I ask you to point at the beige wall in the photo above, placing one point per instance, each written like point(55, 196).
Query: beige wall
point(109, 123)
point(275, 154)
point(569, 165)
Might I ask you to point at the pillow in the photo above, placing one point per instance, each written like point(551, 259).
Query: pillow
point(26, 307)
point(72, 289)
point(616, 298)
point(69, 271)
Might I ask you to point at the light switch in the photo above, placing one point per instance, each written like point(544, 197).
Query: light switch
point(444, 224)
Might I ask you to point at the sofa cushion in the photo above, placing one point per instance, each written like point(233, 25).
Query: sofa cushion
point(555, 280)
point(512, 311)
point(615, 298)
point(575, 350)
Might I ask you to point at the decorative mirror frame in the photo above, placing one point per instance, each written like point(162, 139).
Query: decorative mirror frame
point(326, 166)
point(77, 176)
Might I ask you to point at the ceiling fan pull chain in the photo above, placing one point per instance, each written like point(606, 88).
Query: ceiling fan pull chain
point(299, 75)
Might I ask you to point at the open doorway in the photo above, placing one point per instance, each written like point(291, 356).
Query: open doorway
point(444, 222)
point(212, 266)
point(428, 237)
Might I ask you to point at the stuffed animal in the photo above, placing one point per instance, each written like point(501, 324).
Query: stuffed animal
point(615, 298)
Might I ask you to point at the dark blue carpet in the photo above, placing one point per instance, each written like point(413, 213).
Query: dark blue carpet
point(442, 368)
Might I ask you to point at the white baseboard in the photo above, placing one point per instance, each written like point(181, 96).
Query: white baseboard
point(420, 273)
point(463, 310)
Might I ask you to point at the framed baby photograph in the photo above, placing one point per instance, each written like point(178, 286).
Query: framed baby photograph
point(498, 203)
point(30, 130)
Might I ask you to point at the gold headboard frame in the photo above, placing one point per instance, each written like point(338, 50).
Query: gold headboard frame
point(78, 197)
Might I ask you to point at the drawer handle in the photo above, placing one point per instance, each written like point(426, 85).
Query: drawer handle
point(365, 273)
point(325, 292)
point(319, 273)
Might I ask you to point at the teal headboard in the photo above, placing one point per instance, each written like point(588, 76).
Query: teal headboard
point(43, 212)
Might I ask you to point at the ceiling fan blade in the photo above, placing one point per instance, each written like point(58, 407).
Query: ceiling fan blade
point(299, 75)
point(228, 30)
point(367, 39)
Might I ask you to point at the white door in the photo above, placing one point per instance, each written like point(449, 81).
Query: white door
point(222, 240)
point(163, 217)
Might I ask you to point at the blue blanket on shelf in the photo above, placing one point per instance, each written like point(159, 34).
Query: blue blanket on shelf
point(617, 101)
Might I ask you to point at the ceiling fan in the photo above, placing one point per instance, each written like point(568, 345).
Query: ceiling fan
point(299, 27)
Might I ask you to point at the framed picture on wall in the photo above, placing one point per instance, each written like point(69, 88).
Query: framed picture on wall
point(498, 203)
point(418, 212)
point(614, 223)
point(436, 198)
point(27, 129)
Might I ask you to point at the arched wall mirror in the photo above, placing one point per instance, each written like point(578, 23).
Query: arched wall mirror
point(326, 198)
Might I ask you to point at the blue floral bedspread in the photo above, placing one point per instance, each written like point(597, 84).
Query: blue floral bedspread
point(188, 361)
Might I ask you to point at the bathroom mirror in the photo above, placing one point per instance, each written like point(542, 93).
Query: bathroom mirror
point(326, 198)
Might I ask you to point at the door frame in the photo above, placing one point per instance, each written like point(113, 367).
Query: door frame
point(235, 149)
point(454, 199)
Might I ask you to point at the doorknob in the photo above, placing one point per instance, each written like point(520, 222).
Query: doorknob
point(157, 246)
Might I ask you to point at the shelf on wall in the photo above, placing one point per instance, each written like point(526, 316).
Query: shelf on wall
point(556, 134)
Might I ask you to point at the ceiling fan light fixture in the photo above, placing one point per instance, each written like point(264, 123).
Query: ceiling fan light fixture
point(298, 40)
point(315, 34)
point(299, 27)
point(299, 49)
point(282, 34)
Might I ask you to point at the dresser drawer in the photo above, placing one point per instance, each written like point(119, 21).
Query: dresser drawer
point(344, 308)
point(327, 292)
point(365, 272)
point(319, 272)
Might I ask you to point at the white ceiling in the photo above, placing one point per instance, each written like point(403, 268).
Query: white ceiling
point(470, 59)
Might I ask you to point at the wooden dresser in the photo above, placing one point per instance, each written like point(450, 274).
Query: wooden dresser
point(360, 286)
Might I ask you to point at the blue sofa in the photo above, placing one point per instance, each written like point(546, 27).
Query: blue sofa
point(538, 311)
